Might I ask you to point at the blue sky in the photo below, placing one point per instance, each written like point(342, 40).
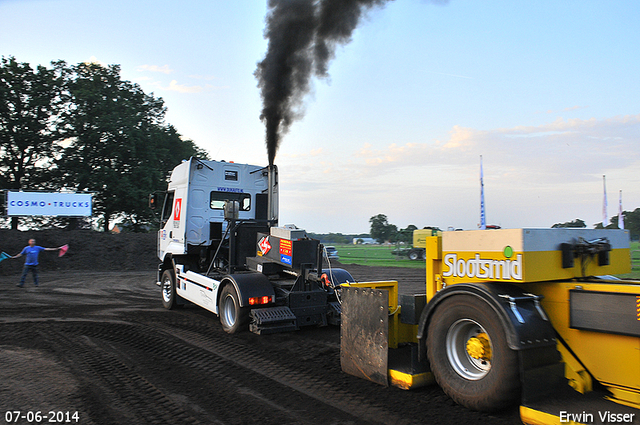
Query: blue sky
point(548, 92)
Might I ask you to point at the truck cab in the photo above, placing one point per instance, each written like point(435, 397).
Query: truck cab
point(220, 247)
point(193, 211)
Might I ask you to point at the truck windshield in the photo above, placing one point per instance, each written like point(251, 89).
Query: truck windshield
point(218, 200)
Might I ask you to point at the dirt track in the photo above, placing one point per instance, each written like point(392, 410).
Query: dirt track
point(100, 344)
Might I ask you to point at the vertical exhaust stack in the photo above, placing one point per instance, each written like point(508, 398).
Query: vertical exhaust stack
point(272, 205)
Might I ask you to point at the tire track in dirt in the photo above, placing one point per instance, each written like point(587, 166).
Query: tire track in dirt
point(108, 390)
point(224, 360)
point(313, 386)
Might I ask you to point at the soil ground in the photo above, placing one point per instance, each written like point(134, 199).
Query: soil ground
point(94, 339)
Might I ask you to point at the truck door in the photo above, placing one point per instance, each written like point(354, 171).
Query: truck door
point(168, 233)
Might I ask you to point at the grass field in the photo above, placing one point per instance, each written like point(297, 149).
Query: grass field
point(635, 262)
point(374, 255)
point(380, 255)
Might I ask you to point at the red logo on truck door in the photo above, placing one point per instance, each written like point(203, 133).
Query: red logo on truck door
point(177, 209)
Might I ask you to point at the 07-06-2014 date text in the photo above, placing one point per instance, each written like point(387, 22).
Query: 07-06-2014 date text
point(38, 417)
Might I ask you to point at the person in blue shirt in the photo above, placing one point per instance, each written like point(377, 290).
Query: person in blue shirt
point(31, 264)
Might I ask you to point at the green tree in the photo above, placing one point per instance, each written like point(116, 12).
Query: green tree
point(392, 233)
point(121, 149)
point(577, 223)
point(379, 224)
point(381, 229)
point(406, 235)
point(631, 222)
point(31, 102)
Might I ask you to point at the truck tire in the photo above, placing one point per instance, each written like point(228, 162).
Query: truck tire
point(232, 317)
point(168, 288)
point(413, 255)
point(469, 355)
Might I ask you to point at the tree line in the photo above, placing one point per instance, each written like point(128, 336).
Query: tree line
point(383, 231)
point(83, 128)
point(631, 220)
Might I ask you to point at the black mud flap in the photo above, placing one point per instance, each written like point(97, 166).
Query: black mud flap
point(364, 347)
point(541, 374)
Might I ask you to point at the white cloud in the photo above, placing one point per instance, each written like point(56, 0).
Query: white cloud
point(534, 176)
point(181, 88)
point(95, 60)
point(575, 108)
point(203, 77)
point(164, 69)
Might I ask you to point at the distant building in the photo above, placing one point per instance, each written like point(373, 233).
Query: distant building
point(364, 241)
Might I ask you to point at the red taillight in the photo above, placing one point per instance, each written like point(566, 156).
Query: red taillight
point(260, 300)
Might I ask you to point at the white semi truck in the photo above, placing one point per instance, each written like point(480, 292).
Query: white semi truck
point(220, 247)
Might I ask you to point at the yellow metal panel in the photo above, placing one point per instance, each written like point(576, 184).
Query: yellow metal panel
point(530, 416)
point(434, 265)
point(512, 266)
point(406, 332)
point(578, 377)
point(546, 265)
point(624, 396)
point(613, 360)
point(407, 381)
point(525, 255)
point(420, 237)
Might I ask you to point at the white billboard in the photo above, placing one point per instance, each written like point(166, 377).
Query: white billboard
point(47, 203)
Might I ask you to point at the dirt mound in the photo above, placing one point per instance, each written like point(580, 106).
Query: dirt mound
point(88, 250)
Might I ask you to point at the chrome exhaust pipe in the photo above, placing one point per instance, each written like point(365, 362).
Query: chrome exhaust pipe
point(272, 214)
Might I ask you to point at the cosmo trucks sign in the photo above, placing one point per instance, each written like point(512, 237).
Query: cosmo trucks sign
point(51, 204)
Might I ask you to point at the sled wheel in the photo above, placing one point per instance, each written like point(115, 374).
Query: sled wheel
point(469, 355)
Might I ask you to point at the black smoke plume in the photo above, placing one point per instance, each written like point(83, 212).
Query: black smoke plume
point(302, 35)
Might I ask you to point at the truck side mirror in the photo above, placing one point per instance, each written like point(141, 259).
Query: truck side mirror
point(153, 201)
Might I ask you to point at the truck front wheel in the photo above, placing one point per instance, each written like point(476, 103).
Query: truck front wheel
point(469, 355)
point(232, 317)
point(168, 287)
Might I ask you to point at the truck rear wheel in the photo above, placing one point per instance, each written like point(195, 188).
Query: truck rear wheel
point(414, 255)
point(233, 317)
point(168, 288)
point(469, 355)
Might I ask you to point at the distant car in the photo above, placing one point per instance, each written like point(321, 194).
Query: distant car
point(332, 252)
